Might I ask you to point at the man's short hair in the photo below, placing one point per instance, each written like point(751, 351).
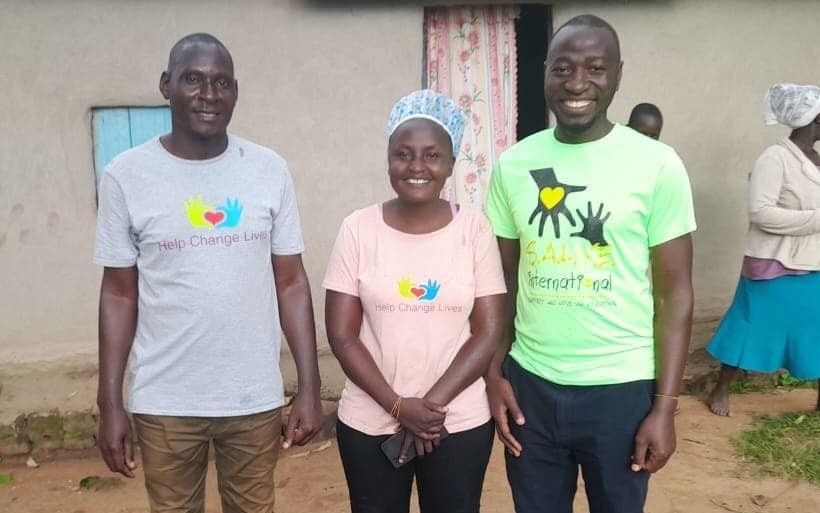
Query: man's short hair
point(592, 21)
point(193, 39)
point(645, 109)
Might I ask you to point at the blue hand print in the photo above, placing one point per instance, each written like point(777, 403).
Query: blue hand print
point(233, 212)
point(430, 290)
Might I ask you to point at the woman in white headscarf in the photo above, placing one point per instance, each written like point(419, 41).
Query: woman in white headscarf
point(774, 320)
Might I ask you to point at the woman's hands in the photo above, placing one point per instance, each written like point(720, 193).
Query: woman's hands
point(414, 446)
point(422, 421)
point(421, 417)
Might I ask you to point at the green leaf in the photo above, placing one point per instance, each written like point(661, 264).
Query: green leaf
point(6, 479)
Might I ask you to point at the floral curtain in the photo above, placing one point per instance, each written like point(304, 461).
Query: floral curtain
point(471, 57)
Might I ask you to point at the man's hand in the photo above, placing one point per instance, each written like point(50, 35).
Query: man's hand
point(655, 440)
point(118, 323)
point(115, 442)
point(305, 420)
point(504, 408)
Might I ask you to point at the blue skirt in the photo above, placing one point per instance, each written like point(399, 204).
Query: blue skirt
point(772, 324)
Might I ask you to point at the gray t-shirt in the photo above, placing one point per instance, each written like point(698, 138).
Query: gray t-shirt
point(201, 233)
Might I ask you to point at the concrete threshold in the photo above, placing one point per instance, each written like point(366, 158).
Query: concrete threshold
point(48, 409)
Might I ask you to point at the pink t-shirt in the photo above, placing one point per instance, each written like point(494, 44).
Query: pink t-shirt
point(417, 293)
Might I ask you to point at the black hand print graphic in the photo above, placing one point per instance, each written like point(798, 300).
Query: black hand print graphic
point(592, 225)
point(551, 201)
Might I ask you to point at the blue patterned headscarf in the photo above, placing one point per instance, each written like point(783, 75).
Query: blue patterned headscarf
point(428, 104)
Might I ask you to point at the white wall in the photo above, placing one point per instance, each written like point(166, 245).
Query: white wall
point(316, 84)
point(317, 80)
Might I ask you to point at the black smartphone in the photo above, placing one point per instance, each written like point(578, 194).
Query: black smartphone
point(392, 447)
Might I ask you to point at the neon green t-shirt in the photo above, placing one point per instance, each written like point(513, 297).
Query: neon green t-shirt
point(586, 216)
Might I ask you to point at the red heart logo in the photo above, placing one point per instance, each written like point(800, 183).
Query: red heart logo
point(417, 291)
point(214, 217)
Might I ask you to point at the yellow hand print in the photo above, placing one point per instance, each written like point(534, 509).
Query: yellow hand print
point(404, 287)
point(196, 208)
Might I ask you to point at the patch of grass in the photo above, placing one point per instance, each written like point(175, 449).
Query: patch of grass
point(744, 385)
point(786, 445)
point(97, 483)
point(786, 380)
point(748, 382)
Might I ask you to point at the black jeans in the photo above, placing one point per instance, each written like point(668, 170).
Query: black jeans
point(449, 480)
point(567, 427)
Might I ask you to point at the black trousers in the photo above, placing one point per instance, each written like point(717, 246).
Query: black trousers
point(449, 480)
point(567, 427)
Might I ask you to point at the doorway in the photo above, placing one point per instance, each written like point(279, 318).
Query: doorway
point(533, 30)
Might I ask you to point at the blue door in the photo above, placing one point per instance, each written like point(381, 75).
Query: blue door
point(118, 129)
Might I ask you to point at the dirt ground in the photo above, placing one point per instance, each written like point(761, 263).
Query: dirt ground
point(705, 476)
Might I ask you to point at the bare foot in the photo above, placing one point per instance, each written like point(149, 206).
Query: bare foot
point(718, 402)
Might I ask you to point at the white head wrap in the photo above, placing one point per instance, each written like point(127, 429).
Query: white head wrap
point(792, 105)
point(436, 107)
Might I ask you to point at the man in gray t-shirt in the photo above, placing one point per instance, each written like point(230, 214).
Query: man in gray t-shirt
point(199, 237)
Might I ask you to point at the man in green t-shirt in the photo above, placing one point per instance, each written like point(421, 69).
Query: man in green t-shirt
point(591, 365)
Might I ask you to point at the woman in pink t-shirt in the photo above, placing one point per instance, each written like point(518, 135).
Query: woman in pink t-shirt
point(413, 313)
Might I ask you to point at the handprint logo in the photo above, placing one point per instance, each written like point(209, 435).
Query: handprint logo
point(202, 215)
point(552, 200)
point(592, 225)
point(233, 212)
point(422, 292)
point(431, 290)
point(404, 287)
point(196, 210)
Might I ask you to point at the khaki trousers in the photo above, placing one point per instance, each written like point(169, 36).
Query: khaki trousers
point(175, 460)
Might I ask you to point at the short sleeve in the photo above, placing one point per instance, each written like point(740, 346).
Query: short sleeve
point(342, 274)
point(286, 234)
point(488, 273)
point(672, 211)
point(498, 209)
point(115, 244)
